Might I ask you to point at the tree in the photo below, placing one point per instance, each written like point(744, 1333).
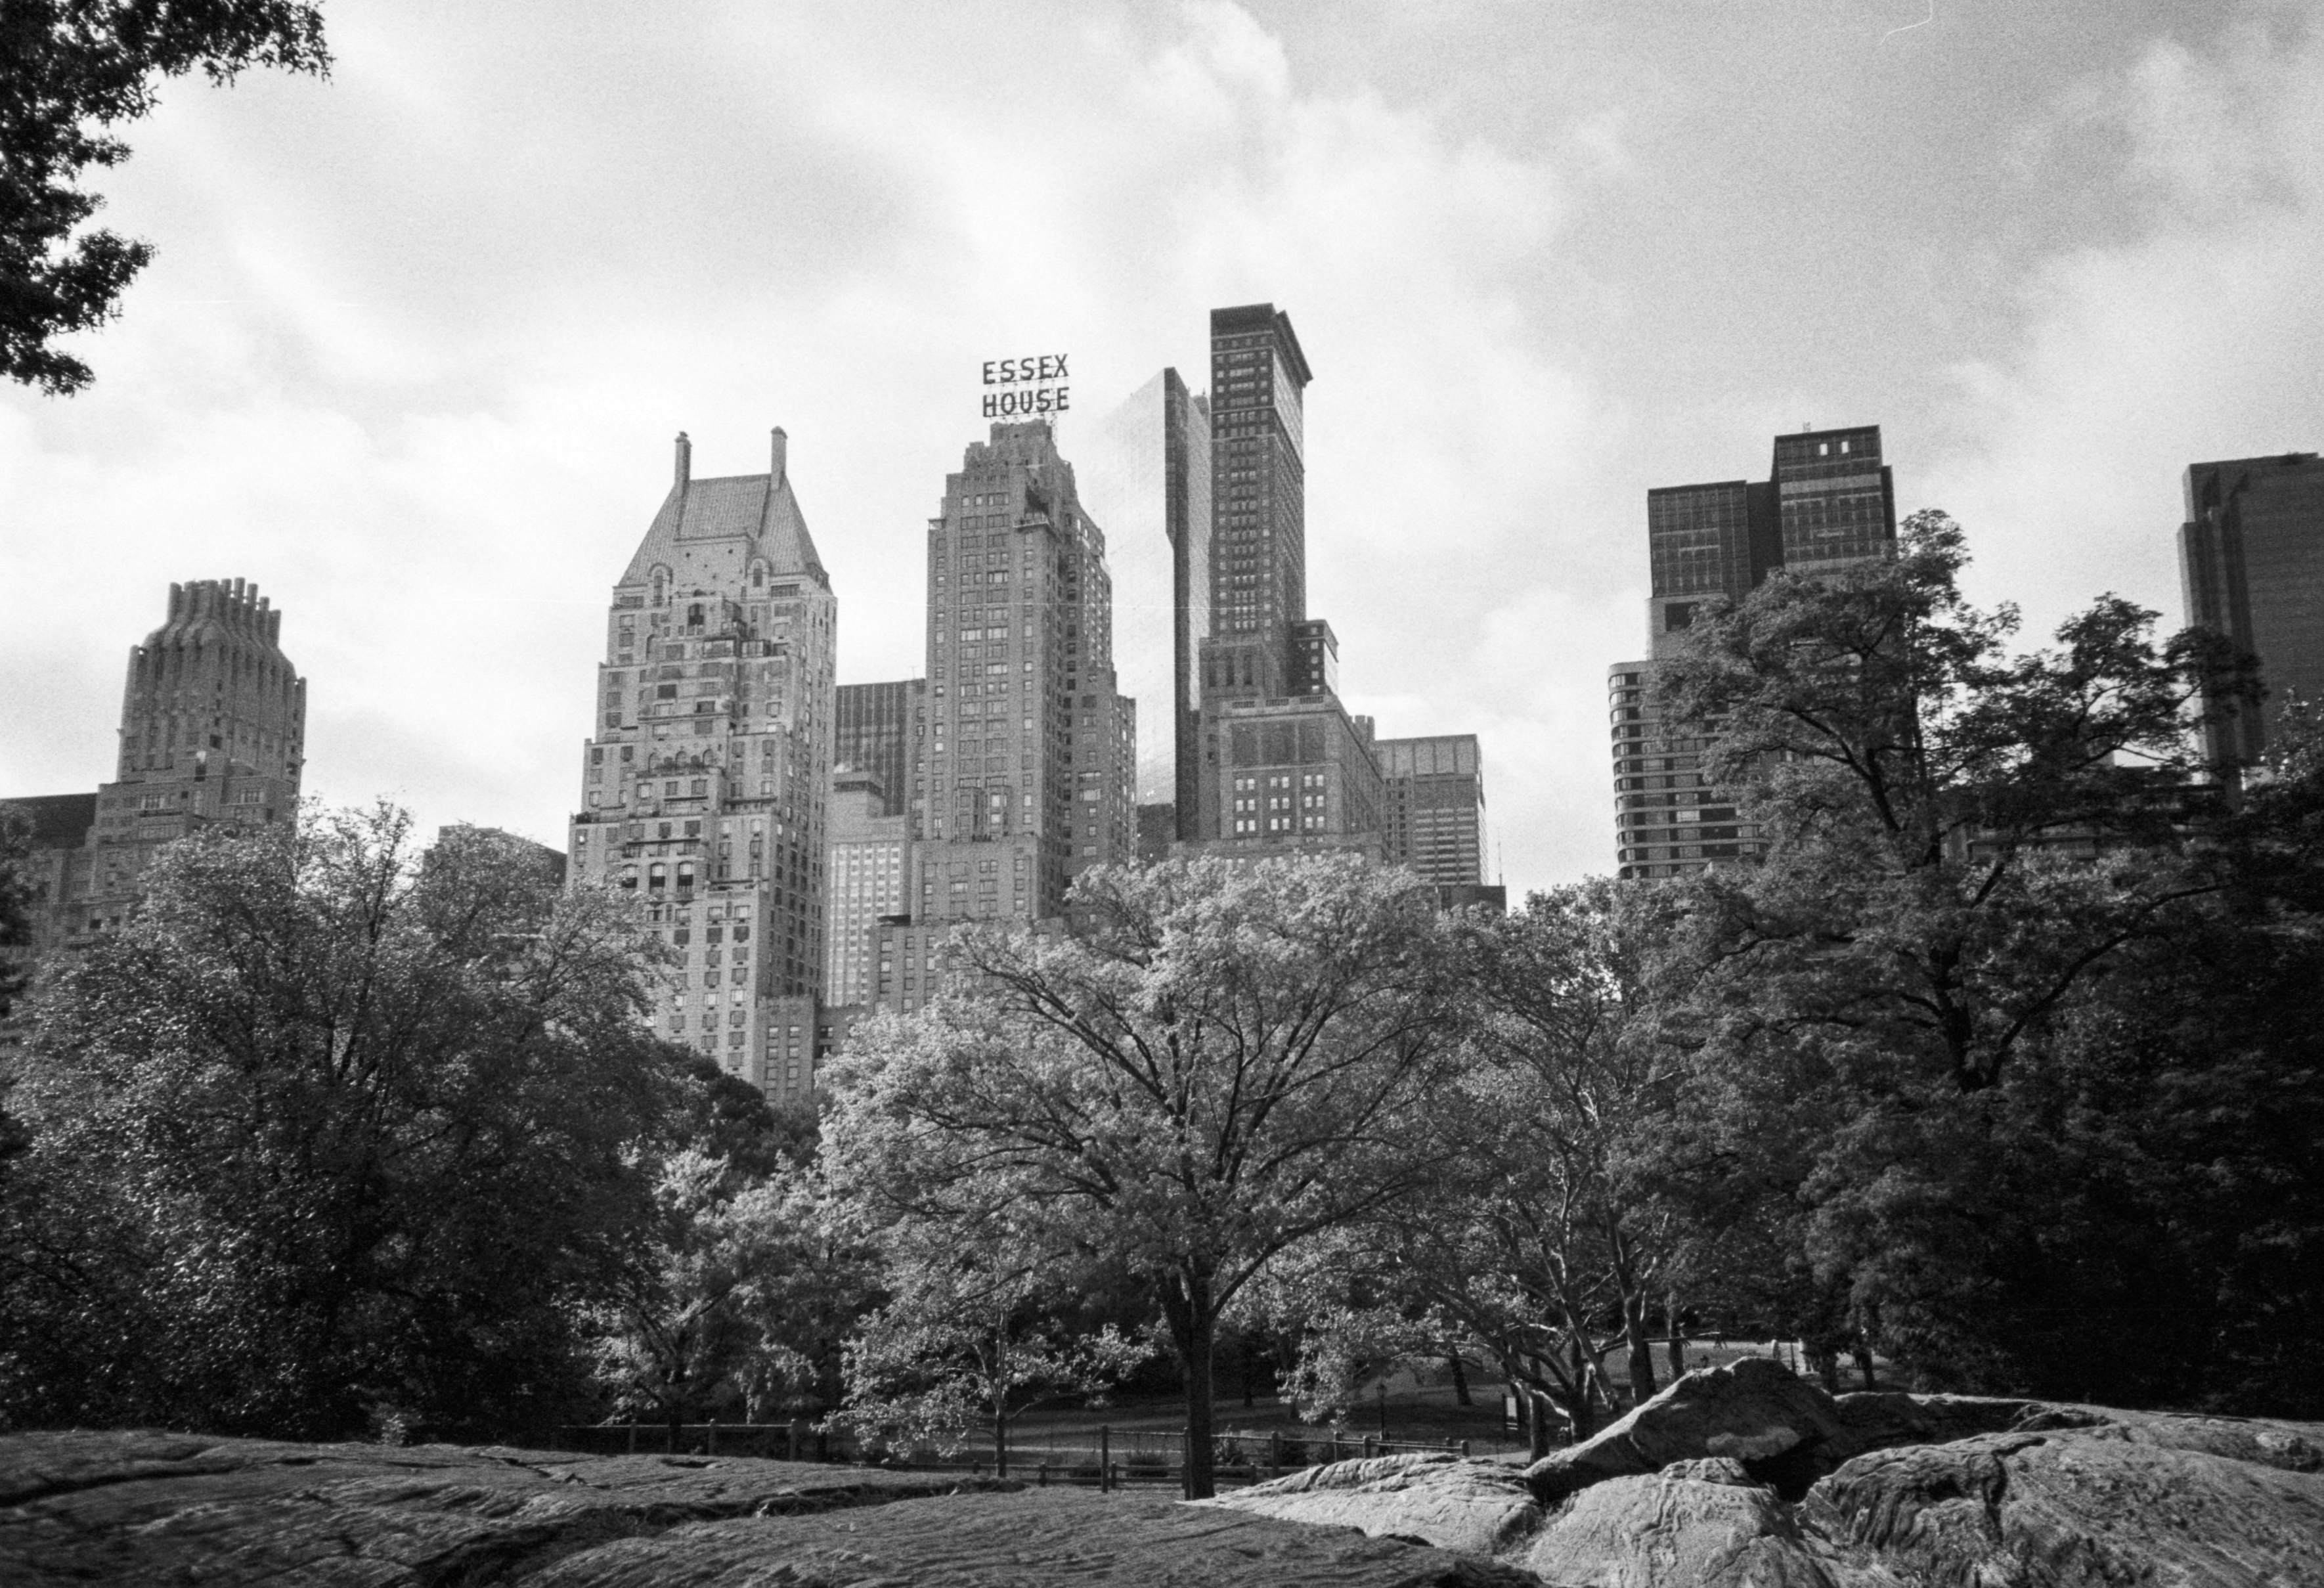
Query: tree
point(327, 1137)
point(1223, 1064)
point(739, 1301)
point(1546, 1237)
point(2002, 1040)
point(972, 1330)
point(1930, 801)
point(69, 70)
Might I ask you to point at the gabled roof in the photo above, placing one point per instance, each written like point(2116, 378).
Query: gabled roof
point(740, 515)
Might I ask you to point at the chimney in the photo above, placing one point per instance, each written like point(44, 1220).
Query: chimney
point(685, 460)
point(780, 458)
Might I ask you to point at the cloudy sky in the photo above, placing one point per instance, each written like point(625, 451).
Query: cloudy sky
point(419, 337)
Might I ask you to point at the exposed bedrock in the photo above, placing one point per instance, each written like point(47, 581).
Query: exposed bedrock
point(151, 1509)
point(1750, 1477)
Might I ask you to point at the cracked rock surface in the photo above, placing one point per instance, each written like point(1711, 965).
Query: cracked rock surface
point(1748, 1477)
point(164, 1509)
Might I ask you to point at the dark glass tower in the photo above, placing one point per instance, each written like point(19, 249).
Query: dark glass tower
point(2251, 556)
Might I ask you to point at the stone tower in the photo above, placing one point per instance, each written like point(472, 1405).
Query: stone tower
point(705, 784)
point(213, 728)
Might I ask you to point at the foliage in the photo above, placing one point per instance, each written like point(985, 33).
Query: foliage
point(972, 1332)
point(1927, 797)
point(70, 69)
point(327, 1136)
point(1223, 1064)
point(1546, 1236)
point(2004, 1054)
point(737, 1303)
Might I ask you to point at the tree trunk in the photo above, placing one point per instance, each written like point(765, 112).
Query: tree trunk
point(1000, 1436)
point(1642, 1351)
point(1460, 1380)
point(1676, 1345)
point(1249, 1362)
point(1864, 1364)
point(1194, 1328)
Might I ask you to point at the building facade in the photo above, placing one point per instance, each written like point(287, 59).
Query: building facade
point(1433, 808)
point(705, 784)
point(877, 733)
point(867, 878)
point(213, 735)
point(1031, 749)
point(2251, 562)
point(1144, 472)
point(1831, 500)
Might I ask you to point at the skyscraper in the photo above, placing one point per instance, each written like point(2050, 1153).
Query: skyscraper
point(2250, 559)
point(1284, 765)
point(1259, 500)
point(1830, 501)
point(876, 733)
point(706, 783)
point(1434, 808)
point(866, 883)
point(213, 731)
point(1030, 748)
point(1144, 472)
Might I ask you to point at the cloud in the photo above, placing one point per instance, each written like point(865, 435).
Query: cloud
point(2199, 337)
point(417, 338)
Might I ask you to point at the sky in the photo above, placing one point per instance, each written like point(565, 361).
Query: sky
point(418, 337)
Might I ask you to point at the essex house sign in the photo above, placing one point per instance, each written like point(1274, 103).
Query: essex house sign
point(1022, 388)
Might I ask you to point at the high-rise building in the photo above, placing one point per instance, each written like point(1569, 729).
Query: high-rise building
point(867, 877)
point(1030, 752)
point(1144, 472)
point(1830, 501)
point(876, 734)
point(2251, 558)
point(1284, 764)
point(213, 730)
point(1258, 501)
point(706, 783)
point(1433, 816)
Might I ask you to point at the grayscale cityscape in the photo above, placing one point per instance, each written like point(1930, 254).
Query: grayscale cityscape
point(910, 1001)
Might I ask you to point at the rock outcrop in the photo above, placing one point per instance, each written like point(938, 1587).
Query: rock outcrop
point(1748, 1477)
point(1783, 1429)
point(2087, 1508)
point(1474, 1507)
point(1924, 1492)
point(1663, 1530)
point(155, 1509)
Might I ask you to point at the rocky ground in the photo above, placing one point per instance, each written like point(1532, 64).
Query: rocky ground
point(1748, 1477)
point(158, 1508)
point(1737, 1477)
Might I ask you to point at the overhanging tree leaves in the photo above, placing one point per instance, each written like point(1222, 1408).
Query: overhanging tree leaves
point(1224, 1065)
point(70, 69)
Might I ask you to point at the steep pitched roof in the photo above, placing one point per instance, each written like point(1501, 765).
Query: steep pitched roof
point(704, 525)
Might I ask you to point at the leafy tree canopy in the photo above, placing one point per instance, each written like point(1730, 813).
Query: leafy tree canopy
point(69, 70)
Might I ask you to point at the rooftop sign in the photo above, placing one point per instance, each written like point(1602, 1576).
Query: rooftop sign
point(1025, 388)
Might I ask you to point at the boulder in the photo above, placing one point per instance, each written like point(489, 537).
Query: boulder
point(1477, 1507)
point(1783, 1429)
point(1667, 1531)
point(2090, 1508)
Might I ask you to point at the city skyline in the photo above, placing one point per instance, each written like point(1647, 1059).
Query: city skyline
point(2057, 257)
